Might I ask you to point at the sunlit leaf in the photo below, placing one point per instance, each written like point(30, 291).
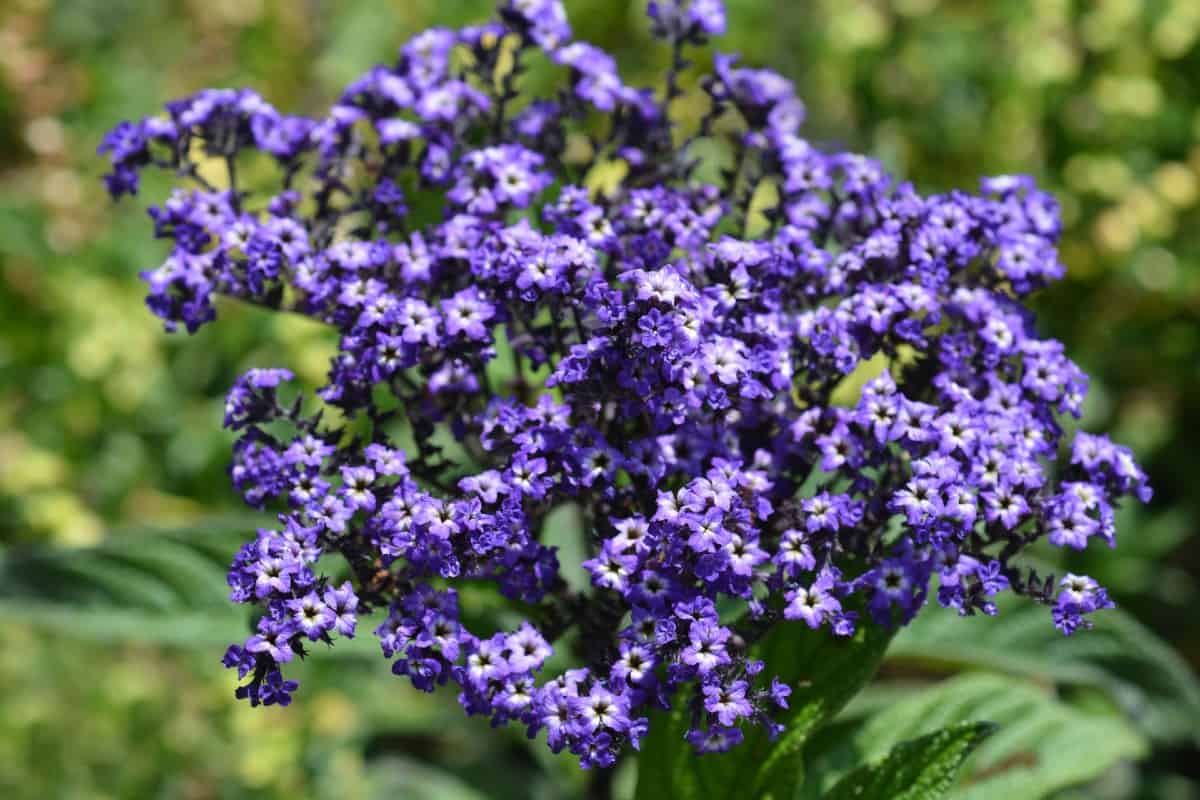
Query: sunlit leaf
point(918, 769)
point(1156, 688)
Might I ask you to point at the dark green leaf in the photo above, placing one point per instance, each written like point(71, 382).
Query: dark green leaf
point(1156, 687)
point(1042, 746)
point(918, 769)
point(160, 586)
point(396, 776)
point(824, 672)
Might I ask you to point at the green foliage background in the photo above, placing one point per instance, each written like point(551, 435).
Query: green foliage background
point(107, 426)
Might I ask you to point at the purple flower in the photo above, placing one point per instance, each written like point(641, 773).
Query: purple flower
point(515, 348)
point(635, 664)
point(545, 19)
point(728, 703)
point(1078, 596)
point(715, 739)
point(342, 602)
point(706, 648)
point(466, 314)
point(814, 604)
point(312, 615)
point(780, 692)
point(274, 690)
point(680, 18)
point(602, 709)
point(272, 639)
point(611, 569)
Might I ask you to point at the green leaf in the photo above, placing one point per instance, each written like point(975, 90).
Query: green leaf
point(1151, 683)
point(824, 671)
point(159, 586)
point(1042, 745)
point(396, 776)
point(919, 769)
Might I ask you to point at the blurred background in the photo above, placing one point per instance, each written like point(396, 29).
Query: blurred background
point(109, 427)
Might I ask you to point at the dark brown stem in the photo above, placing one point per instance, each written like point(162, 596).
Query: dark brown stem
point(600, 785)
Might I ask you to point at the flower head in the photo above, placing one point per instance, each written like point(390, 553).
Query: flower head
point(519, 356)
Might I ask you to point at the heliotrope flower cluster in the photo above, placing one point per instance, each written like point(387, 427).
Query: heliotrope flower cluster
point(676, 359)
